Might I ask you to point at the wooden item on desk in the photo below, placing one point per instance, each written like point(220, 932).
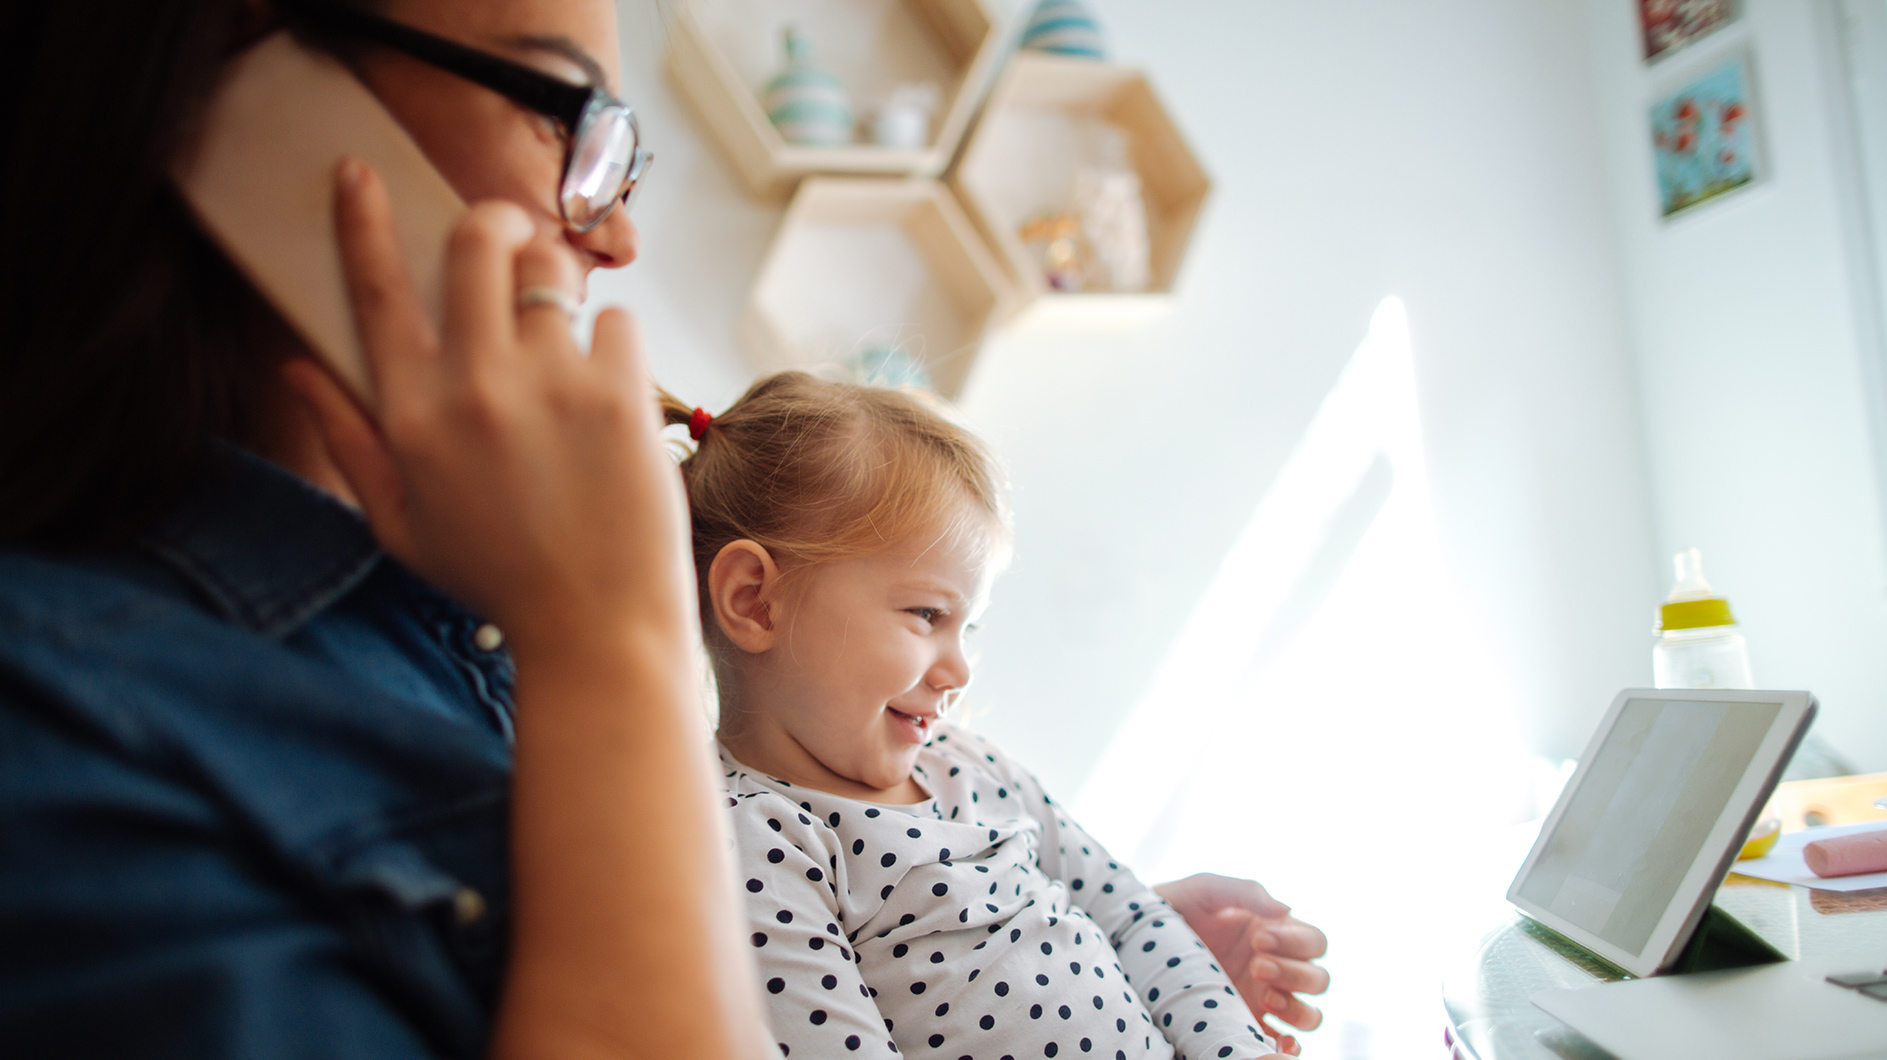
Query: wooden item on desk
point(1838, 903)
point(1828, 800)
point(862, 266)
point(1047, 117)
point(721, 53)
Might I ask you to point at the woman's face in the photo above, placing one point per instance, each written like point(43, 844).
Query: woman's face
point(486, 146)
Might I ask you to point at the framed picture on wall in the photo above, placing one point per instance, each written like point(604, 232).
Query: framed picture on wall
point(1703, 137)
point(1670, 24)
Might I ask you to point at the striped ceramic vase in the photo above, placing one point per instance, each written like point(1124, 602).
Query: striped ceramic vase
point(808, 105)
point(1064, 27)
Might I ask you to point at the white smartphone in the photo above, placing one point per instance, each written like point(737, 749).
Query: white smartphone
point(260, 180)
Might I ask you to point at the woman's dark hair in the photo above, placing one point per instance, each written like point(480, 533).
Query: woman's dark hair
point(122, 329)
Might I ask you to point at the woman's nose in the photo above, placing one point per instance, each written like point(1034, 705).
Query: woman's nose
point(613, 243)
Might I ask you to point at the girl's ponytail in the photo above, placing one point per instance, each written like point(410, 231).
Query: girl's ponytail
point(673, 411)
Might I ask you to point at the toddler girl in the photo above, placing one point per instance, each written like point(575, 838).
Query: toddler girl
point(910, 889)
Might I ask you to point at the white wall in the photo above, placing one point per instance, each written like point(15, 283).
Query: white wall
point(1443, 152)
point(1744, 326)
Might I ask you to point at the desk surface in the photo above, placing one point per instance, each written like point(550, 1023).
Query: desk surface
point(1485, 994)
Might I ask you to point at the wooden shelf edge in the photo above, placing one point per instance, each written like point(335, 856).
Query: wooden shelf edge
point(934, 221)
point(1176, 189)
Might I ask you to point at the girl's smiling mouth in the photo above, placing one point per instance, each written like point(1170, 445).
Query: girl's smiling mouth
point(914, 727)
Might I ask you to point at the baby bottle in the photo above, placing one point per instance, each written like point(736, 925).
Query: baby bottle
point(1698, 642)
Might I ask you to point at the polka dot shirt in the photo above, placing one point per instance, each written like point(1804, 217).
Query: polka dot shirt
point(982, 924)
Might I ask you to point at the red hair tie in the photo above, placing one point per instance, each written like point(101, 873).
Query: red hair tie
point(698, 423)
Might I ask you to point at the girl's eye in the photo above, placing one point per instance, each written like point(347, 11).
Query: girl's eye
point(928, 614)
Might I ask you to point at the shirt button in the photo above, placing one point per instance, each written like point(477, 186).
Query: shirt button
point(469, 906)
point(488, 637)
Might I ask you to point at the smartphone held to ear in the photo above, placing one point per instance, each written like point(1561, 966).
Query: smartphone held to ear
point(261, 181)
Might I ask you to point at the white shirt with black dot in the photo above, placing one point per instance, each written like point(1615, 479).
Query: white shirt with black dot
point(983, 923)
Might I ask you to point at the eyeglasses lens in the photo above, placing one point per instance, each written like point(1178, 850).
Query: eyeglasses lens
point(600, 166)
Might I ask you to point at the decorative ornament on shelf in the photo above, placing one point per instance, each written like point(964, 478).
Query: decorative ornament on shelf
point(1099, 242)
point(890, 367)
point(809, 106)
point(903, 119)
point(1062, 249)
point(1064, 27)
point(1114, 219)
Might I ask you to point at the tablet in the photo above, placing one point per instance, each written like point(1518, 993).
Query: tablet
point(1649, 823)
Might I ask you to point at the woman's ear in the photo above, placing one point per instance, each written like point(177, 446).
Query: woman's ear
point(742, 585)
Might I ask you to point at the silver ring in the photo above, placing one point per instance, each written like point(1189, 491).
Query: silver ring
point(551, 296)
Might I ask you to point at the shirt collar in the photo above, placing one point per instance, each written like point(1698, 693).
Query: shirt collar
point(266, 549)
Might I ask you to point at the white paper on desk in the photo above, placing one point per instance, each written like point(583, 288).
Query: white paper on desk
point(1784, 862)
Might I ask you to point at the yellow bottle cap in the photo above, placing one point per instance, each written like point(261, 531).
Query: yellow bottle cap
point(1695, 614)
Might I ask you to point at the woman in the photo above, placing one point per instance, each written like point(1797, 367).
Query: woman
point(277, 780)
point(256, 776)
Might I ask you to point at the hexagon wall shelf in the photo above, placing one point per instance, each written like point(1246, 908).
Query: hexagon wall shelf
point(869, 265)
point(1047, 116)
point(723, 52)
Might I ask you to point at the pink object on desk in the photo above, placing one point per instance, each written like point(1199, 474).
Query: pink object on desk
point(1848, 855)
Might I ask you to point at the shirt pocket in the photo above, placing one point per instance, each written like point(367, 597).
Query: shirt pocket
point(424, 898)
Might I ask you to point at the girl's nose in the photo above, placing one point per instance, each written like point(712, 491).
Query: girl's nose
point(950, 674)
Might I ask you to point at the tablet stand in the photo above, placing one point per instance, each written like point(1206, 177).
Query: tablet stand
point(1721, 941)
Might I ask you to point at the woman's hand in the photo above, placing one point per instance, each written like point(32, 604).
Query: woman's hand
point(506, 466)
point(528, 480)
point(1267, 952)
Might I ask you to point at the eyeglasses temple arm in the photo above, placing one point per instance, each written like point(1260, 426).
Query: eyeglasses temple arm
point(522, 85)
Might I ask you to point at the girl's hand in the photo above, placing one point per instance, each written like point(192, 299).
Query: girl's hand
point(1268, 953)
point(506, 466)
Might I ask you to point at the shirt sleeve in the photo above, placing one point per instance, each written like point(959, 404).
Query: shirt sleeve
point(1191, 999)
point(135, 922)
point(817, 1003)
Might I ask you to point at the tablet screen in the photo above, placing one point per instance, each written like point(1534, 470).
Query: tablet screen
point(1640, 816)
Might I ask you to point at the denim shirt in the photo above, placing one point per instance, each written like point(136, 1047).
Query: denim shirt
point(254, 779)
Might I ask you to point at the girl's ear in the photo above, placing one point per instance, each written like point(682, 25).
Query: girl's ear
point(742, 584)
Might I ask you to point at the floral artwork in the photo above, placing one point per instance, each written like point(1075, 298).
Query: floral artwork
point(1704, 138)
point(1671, 24)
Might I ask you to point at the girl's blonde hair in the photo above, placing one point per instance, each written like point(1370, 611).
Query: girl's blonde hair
point(815, 471)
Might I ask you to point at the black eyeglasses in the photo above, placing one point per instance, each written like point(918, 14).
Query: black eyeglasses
point(603, 160)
